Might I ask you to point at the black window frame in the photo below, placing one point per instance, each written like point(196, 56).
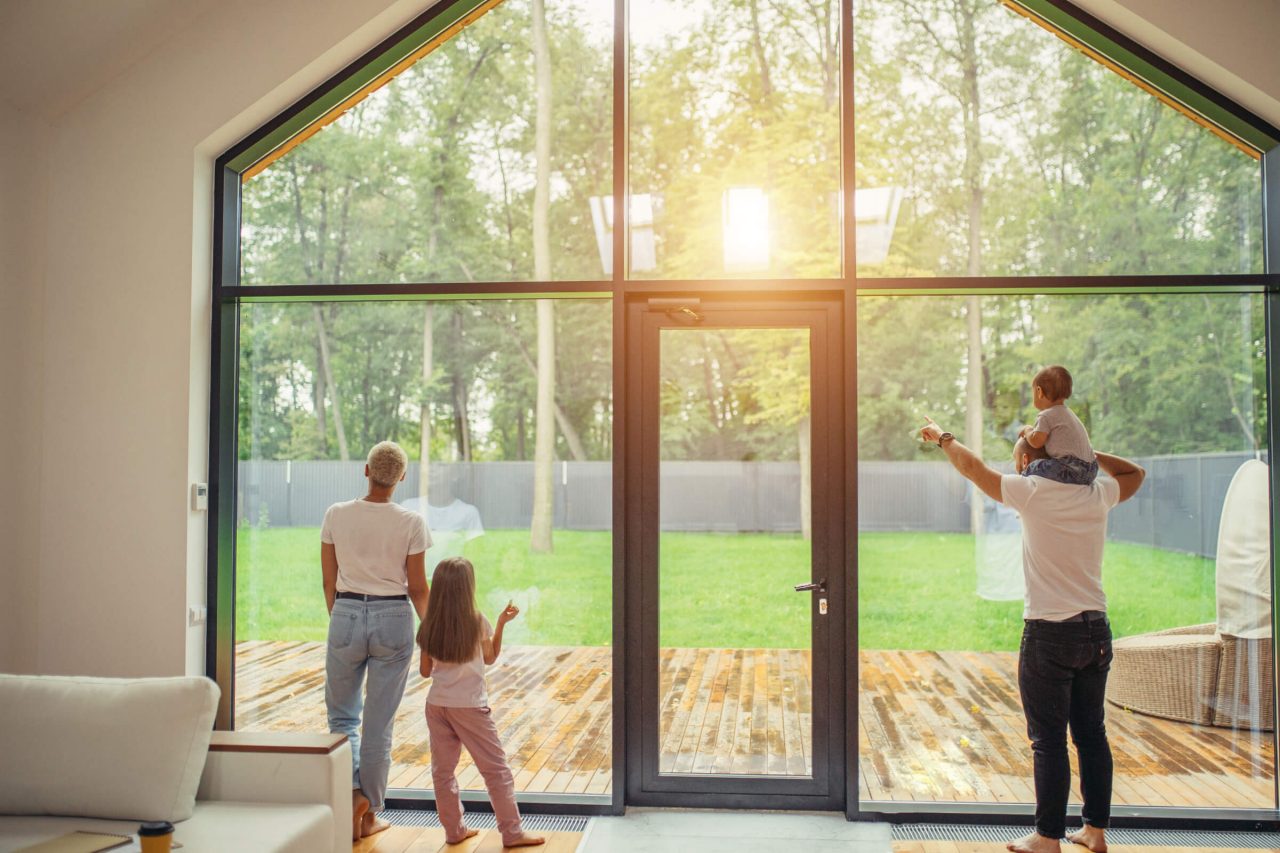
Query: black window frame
point(1155, 74)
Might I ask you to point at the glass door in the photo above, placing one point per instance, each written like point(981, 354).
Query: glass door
point(740, 582)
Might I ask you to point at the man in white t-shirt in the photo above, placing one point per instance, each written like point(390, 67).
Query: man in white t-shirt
point(372, 558)
point(1066, 639)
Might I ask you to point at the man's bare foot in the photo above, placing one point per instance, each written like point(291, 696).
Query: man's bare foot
point(1034, 842)
point(371, 825)
point(359, 808)
point(467, 832)
point(524, 839)
point(1091, 837)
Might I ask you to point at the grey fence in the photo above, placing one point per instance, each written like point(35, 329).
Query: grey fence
point(1178, 508)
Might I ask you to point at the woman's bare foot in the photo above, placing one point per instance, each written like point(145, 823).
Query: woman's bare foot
point(1091, 837)
point(467, 832)
point(359, 808)
point(1034, 842)
point(371, 825)
point(524, 839)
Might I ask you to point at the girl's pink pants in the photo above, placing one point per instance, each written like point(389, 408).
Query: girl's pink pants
point(450, 729)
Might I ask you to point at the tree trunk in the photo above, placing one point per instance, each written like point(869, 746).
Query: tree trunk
point(326, 369)
point(805, 442)
point(544, 419)
point(428, 367)
point(544, 432)
point(971, 109)
point(317, 402)
point(973, 405)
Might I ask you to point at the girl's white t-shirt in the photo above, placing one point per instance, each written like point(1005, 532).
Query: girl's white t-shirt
point(372, 542)
point(461, 685)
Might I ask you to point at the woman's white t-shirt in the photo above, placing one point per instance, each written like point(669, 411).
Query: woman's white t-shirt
point(372, 541)
point(461, 685)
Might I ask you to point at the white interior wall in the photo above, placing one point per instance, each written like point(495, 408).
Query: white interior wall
point(127, 293)
point(1229, 45)
point(23, 202)
point(108, 361)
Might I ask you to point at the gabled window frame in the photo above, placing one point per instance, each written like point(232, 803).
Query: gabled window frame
point(292, 126)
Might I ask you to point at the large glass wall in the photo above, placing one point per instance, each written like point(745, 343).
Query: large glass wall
point(1175, 382)
point(455, 384)
point(735, 139)
point(987, 145)
point(485, 160)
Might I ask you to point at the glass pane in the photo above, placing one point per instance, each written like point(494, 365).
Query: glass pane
point(319, 384)
point(986, 145)
point(1174, 382)
point(735, 152)
point(437, 175)
point(735, 681)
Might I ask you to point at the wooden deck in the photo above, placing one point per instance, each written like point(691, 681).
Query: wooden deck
point(943, 726)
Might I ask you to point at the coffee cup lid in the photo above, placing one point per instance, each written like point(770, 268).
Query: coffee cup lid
point(155, 827)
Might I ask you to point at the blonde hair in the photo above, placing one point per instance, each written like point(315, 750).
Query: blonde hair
point(451, 631)
point(387, 463)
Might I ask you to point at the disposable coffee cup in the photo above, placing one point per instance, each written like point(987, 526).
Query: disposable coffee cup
point(156, 836)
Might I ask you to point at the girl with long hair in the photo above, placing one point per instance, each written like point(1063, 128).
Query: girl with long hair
point(457, 643)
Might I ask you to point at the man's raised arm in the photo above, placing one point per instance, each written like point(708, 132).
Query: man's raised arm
point(1129, 475)
point(965, 461)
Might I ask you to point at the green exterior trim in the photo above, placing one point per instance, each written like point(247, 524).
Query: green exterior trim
point(419, 297)
point(1033, 290)
point(344, 89)
point(1156, 77)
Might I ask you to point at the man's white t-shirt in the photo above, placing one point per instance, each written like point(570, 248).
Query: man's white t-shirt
point(1064, 528)
point(372, 541)
point(461, 685)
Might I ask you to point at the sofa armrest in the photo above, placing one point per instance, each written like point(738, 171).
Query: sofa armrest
point(282, 767)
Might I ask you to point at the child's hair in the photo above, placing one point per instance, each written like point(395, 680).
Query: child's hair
point(451, 631)
point(1055, 381)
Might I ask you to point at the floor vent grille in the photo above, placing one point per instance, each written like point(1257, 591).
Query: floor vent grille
point(1147, 837)
point(485, 820)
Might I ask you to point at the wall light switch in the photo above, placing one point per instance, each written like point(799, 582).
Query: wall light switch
point(196, 615)
point(199, 496)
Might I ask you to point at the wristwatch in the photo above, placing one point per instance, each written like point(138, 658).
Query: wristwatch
point(946, 436)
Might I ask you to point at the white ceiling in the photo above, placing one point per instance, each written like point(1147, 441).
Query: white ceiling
point(56, 53)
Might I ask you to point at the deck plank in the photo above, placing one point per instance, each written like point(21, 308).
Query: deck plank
point(934, 726)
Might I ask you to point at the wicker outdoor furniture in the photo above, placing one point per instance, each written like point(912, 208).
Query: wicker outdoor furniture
point(1221, 673)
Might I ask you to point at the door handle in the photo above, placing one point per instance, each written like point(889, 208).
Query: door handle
point(820, 586)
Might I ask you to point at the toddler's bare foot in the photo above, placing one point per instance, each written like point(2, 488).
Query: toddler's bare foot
point(359, 808)
point(467, 832)
point(1091, 837)
point(1034, 842)
point(524, 839)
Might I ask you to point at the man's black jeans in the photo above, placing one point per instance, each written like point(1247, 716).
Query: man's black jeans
point(1062, 675)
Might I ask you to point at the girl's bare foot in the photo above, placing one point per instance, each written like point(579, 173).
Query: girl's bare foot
point(1091, 837)
point(467, 832)
point(524, 839)
point(359, 808)
point(1034, 842)
point(371, 825)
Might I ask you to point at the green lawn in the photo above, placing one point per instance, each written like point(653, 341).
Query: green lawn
point(916, 590)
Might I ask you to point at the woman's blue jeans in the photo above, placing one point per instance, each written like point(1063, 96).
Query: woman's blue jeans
point(373, 638)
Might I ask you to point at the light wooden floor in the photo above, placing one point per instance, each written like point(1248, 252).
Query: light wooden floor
point(933, 726)
point(986, 847)
point(416, 839)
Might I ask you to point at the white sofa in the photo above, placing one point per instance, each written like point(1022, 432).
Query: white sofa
point(105, 754)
